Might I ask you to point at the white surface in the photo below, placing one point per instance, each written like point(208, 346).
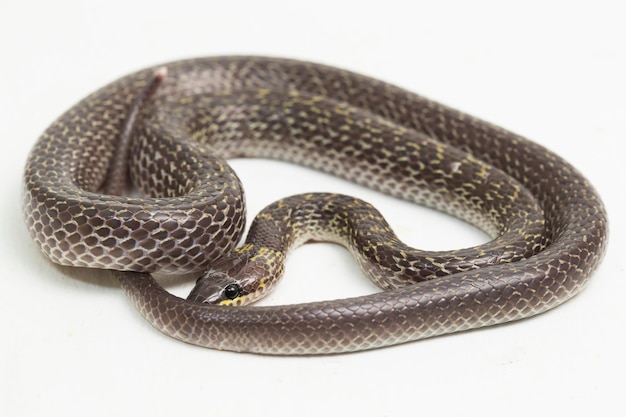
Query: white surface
point(553, 71)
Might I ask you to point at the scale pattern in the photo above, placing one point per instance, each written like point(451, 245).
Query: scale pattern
point(548, 224)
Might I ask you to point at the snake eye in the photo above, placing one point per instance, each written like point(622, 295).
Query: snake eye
point(232, 291)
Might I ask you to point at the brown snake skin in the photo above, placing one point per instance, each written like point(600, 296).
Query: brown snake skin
point(548, 225)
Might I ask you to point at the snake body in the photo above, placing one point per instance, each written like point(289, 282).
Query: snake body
point(547, 223)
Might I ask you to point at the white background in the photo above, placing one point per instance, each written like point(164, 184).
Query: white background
point(554, 71)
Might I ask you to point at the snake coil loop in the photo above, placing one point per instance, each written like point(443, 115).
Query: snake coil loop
point(548, 224)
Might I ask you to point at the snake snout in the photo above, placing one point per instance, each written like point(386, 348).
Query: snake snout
point(208, 288)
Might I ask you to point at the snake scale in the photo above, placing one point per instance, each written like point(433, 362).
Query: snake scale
point(548, 226)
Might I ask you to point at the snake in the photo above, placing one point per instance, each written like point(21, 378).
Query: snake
point(166, 133)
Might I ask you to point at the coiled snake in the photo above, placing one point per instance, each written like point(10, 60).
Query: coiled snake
point(548, 224)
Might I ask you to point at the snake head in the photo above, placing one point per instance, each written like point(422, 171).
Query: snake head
point(233, 280)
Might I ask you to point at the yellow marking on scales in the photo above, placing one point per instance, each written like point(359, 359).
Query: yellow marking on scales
point(245, 248)
point(439, 265)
